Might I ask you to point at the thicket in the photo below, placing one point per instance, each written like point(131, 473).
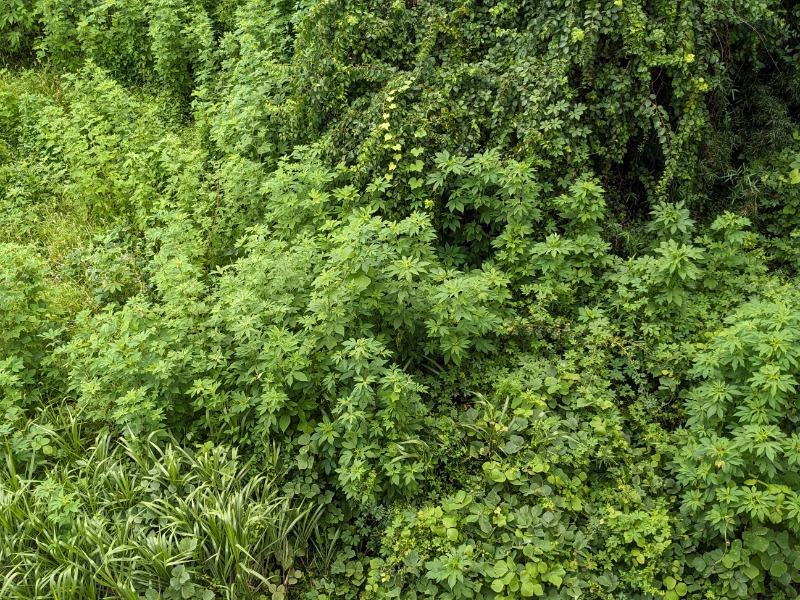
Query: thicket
point(412, 299)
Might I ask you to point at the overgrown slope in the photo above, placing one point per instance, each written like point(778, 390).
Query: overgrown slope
point(348, 299)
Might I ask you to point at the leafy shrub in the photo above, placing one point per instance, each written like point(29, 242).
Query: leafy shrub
point(17, 25)
point(24, 326)
point(563, 503)
point(310, 334)
point(739, 448)
point(130, 365)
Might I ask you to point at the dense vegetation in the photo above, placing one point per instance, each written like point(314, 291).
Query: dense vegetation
point(409, 299)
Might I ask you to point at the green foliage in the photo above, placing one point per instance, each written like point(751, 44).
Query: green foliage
point(24, 327)
point(129, 365)
point(302, 337)
point(137, 519)
point(739, 449)
point(306, 336)
point(493, 301)
point(563, 504)
point(16, 24)
point(574, 88)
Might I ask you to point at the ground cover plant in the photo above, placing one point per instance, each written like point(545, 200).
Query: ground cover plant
point(413, 299)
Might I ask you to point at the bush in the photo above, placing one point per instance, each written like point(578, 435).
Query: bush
point(740, 446)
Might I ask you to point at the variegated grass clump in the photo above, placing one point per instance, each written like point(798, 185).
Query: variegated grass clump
point(134, 519)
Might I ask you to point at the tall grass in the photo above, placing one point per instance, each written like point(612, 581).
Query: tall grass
point(131, 518)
